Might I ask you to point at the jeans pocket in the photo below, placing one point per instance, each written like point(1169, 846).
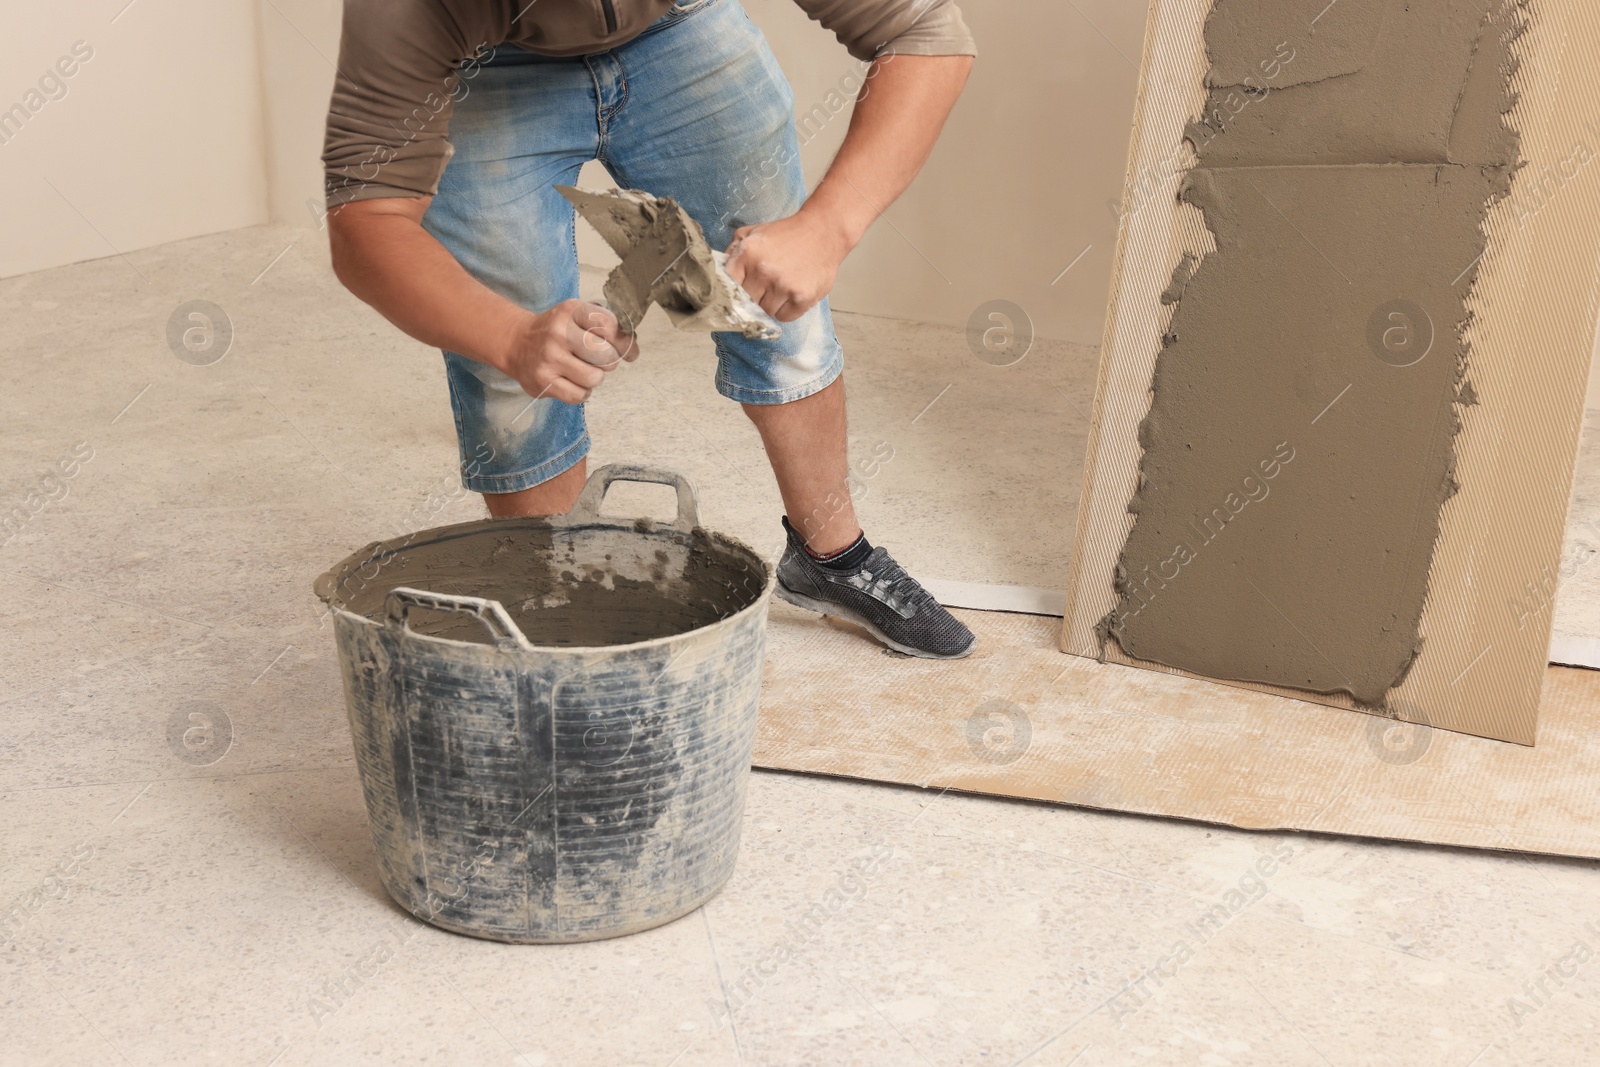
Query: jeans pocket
point(682, 8)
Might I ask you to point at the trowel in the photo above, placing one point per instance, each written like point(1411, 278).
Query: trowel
point(666, 261)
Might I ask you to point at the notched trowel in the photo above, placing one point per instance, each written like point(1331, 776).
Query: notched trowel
point(666, 261)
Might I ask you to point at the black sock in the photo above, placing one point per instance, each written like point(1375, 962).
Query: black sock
point(849, 558)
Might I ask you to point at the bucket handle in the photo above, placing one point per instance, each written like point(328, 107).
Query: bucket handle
point(587, 507)
point(401, 599)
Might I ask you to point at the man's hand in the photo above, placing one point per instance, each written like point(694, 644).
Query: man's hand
point(566, 352)
point(383, 255)
point(789, 265)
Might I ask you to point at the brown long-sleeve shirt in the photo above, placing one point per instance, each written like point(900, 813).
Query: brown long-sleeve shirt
point(402, 64)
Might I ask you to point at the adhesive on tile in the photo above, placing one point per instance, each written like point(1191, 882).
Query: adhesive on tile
point(1299, 445)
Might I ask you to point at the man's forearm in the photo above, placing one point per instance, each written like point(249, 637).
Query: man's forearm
point(897, 119)
point(383, 255)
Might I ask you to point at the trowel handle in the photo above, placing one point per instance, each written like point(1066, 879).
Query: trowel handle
point(587, 507)
point(401, 599)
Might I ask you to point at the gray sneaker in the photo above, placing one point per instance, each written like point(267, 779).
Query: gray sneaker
point(880, 596)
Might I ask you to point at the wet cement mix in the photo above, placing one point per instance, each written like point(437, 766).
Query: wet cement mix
point(586, 587)
point(1299, 445)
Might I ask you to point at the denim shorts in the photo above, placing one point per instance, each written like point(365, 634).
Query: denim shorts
point(694, 108)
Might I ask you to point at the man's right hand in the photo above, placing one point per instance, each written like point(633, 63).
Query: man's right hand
point(384, 256)
point(567, 352)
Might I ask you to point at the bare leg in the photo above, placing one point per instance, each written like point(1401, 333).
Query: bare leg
point(552, 497)
point(806, 445)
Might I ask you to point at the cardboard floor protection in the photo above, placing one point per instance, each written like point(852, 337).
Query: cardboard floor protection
point(1021, 718)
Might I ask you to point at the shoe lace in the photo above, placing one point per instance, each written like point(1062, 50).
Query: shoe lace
point(881, 577)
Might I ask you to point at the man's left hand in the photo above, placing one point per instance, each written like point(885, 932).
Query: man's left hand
point(788, 266)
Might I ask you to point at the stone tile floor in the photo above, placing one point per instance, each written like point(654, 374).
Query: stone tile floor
point(218, 902)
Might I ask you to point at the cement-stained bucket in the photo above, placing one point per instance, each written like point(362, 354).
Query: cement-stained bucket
point(553, 717)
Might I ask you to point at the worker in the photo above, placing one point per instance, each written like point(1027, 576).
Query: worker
point(451, 124)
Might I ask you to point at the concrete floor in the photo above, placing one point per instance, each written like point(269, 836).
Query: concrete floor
point(222, 906)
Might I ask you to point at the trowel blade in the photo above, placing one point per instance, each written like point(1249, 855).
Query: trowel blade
point(624, 218)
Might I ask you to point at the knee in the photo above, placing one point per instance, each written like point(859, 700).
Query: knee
point(554, 496)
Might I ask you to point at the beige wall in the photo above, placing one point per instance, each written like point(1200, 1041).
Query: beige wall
point(299, 45)
point(1019, 184)
point(158, 136)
